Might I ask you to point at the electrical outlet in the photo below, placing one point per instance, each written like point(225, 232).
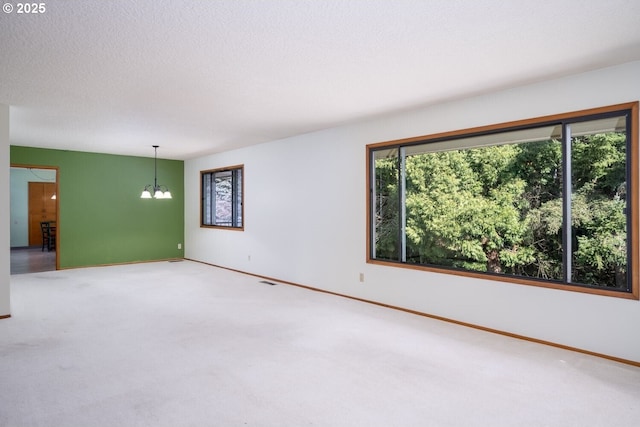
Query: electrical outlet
point(179, 245)
point(361, 277)
point(248, 257)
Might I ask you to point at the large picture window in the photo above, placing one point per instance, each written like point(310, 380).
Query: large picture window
point(550, 202)
point(222, 192)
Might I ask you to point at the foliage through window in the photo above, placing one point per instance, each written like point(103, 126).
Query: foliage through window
point(222, 192)
point(493, 202)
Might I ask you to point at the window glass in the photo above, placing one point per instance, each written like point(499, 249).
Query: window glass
point(479, 209)
point(599, 203)
point(387, 213)
point(223, 194)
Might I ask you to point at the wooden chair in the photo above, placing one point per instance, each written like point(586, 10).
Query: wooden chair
point(48, 235)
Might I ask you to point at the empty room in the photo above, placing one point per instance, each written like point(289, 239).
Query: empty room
point(319, 213)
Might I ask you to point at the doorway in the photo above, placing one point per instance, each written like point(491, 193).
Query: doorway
point(34, 200)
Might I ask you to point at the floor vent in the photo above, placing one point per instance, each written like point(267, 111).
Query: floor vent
point(268, 283)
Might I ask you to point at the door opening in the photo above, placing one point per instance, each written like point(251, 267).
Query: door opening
point(35, 231)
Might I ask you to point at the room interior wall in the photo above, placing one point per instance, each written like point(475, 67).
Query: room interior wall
point(101, 218)
point(5, 309)
point(305, 219)
point(19, 196)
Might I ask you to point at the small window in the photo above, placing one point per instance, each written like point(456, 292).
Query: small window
point(222, 192)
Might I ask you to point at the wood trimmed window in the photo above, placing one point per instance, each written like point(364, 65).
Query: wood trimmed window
point(490, 202)
point(222, 192)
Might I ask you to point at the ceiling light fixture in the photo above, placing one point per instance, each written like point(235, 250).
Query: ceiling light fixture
point(159, 191)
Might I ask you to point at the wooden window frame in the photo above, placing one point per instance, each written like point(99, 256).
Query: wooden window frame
point(633, 200)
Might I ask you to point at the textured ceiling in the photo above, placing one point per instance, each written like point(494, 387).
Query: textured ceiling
point(199, 77)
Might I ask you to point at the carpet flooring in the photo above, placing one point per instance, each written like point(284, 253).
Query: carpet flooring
point(186, 344)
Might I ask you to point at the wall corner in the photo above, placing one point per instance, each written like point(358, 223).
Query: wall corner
point(5, 254)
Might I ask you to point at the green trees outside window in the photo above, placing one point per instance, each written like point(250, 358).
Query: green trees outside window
point(544, 202)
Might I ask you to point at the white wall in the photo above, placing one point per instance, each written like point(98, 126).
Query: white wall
point(305, 220)
point(19, 215)
point(4, 211)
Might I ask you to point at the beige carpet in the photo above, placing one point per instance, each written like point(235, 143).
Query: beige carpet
point(185, 344)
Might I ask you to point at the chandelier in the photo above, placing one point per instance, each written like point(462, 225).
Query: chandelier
point(159, 191)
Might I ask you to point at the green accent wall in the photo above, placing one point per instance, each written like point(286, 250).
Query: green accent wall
point(102, 219)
